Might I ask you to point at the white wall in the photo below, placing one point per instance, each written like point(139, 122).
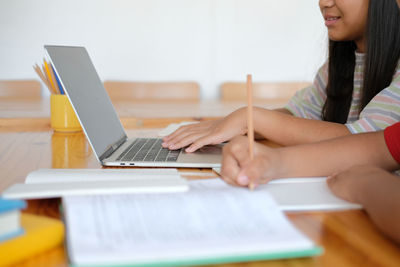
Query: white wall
point(208, 41)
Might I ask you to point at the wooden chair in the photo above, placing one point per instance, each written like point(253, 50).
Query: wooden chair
point(236, 91)
point(125, 90)
point(21, 89)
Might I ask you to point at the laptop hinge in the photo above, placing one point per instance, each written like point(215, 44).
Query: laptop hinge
point(112, 148)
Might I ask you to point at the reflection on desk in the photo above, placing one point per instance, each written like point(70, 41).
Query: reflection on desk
point(69, 150)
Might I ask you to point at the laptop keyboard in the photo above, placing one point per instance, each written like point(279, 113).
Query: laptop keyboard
point(148, 149)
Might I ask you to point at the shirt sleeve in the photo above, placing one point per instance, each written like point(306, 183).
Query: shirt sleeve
point(308, 102)
point(392, 139)
point(382, 111)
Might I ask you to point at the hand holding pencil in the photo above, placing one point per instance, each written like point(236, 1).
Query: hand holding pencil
point(245, 162)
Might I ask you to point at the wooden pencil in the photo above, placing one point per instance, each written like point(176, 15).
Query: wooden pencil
point(48, 79)
point(53, 76)
point(250, 126)
point(49, 76)
point(43, 77)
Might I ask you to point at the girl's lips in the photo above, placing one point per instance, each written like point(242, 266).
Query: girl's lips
point(329, 21)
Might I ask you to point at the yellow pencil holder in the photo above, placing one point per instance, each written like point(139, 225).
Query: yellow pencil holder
point(63, 118)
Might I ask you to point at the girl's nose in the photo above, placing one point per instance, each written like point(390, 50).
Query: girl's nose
point(326, 3)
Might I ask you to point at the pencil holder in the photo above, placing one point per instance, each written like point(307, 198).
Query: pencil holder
point(63, 118)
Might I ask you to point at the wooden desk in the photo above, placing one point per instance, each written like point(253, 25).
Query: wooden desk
point(349, 238)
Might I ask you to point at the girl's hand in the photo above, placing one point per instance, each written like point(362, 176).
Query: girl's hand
point(206, 133)
point(350, 184)
point(237, 168)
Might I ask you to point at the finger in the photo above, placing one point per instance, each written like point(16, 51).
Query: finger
point(183, 130)
point(229, 181)
point(185, 141)
point(173, 134)
point(179, 131)
point(199, 129)
point(177, 141)
point(233, 160)
point(213, 138)
point(255, 172)
point(238, 149)
point(229, 169)
point(199, 143)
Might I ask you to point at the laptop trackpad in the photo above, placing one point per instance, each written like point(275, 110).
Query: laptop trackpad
point(211, 153)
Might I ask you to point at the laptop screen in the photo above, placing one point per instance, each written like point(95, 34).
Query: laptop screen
point(88, 97)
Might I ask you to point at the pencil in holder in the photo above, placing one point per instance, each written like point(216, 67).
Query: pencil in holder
point(63, 117)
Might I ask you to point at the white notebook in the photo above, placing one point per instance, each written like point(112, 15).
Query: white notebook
point(49, 183)
point(295, 194)
point(201, 226)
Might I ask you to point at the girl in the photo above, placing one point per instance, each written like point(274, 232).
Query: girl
point(356, 90)
point(372, 187)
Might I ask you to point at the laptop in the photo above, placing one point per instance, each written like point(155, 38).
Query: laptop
point(102, 126)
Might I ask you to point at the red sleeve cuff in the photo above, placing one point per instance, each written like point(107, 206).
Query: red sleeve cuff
point(392, 139)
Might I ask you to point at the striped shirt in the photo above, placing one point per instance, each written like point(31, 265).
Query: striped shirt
point(383, 110)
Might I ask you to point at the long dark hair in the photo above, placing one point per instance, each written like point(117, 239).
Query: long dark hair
point(382, 54)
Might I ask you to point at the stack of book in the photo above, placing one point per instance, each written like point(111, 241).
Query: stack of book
point(24, 235)
point(10, 225)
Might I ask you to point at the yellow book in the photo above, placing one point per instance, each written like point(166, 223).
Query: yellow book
point(41, 233)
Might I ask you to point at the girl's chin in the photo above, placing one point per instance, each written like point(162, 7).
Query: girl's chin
point(338, 39)
point(335, 37)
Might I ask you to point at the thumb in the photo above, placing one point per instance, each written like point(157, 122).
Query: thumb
point(253, 173)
